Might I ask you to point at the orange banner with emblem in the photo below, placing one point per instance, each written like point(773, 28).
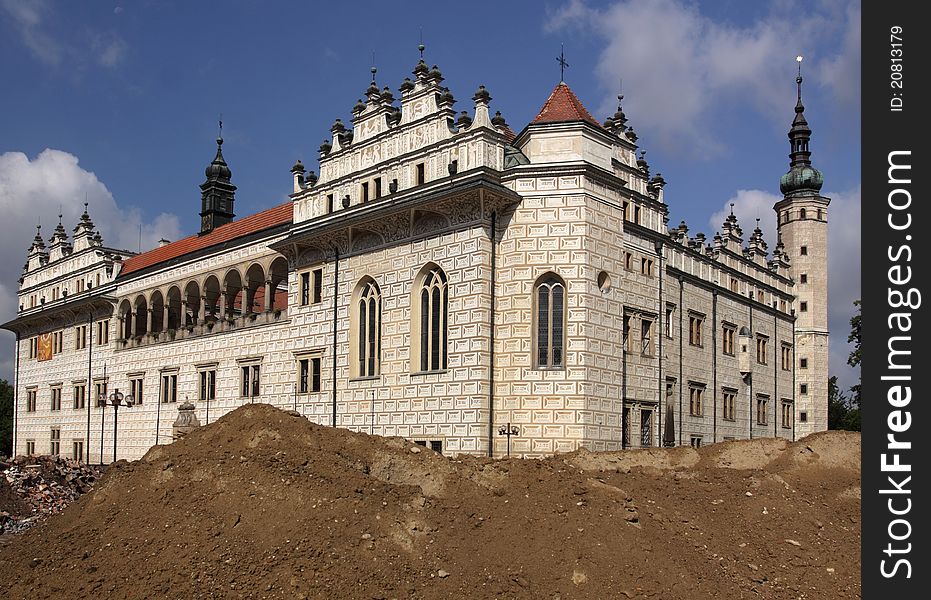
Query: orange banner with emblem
point(45, 347)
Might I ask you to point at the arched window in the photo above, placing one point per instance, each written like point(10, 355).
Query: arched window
point(432, 307)
point(549, 318)
point(802, 214)
point(368, 329)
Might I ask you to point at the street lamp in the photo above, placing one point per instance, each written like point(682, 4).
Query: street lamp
point(116, 399)
point(508, 430)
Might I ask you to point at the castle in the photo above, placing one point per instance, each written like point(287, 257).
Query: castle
point(446, 280)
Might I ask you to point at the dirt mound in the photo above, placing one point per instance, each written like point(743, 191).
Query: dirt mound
point(264, 504)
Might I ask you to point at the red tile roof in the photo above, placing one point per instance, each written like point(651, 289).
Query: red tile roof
point(245, 226)
point(562, 106)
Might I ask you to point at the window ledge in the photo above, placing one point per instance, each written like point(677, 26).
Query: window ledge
point(376, 377)
point(539, 368)
point(437, 372)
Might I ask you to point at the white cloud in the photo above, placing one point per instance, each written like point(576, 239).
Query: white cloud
point(40, 188)
point(43, 35)
point(682, 68)
point(843, 259)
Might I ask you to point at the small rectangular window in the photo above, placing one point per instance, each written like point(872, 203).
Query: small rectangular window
point(80, 337)
point(803, 363)
point(303, 373)
point(803, 306)
point(57, 342)
point(728, 334)
point(696, 324)
point(803, 389)
point(329, 203)
point(30, 447)
point(78, 395)
point(365, 191)
point(436, 446)
point(786, 413)
point(169, 388)
point(56, 398)
point(803, 250)
point(305, 289)
point(421, 174)
point(696, 400)
point(728, 404)
point(103, 332)
point(135, 388)
point(208, 385)
point(803, 416)
point(696, 441)
point(762, 352)
point(378, 187)
point(55, 441)
point(31, 400)
point(250, 381)
point(762, 410)
point(646, 337)
point(315, 379)
point(803, 278)
point(318, 285)
point(670, 311)
point(77, 449)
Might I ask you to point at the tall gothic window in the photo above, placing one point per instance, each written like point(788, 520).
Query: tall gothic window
point(368, 329)
point(550, 297)
point(433, 305)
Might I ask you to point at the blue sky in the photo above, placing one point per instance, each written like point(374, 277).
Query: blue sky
point(120, 101)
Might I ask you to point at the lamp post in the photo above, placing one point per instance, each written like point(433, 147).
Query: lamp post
point(116, 399)
point(508, 430)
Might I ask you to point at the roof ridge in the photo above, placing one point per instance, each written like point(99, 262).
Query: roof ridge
point(265, 219)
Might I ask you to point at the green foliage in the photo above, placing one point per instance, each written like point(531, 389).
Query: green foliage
point(844, 412)
point(6, 418)
point(854, 359)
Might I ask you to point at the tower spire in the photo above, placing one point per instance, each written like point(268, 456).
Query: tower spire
point(217, 192)
point(801, 176)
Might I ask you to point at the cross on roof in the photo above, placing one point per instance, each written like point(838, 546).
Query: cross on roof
point(563, 65)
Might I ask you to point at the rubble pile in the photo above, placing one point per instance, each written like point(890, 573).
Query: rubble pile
point(34, 487)
point(264, 504)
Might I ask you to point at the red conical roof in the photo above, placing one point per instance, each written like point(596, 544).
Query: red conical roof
point(562, 106)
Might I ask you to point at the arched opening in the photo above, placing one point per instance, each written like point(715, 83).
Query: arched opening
point(140, 316)
point(174, 307)
point(802, 214)
point(254, 298)
point(125, 316)
point(365, 323)
point(233, 294)
point(430, 326)
point(549, 321)
point(158, 311)
point(211, 299)
point(278, 275)
point(191, 304)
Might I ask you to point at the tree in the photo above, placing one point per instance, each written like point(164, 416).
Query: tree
point(854, 359)
point(6, 418)
point(844, 412)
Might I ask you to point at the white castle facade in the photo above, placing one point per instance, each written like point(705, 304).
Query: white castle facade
point(441, 279)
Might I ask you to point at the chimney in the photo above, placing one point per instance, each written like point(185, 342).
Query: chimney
point(163, 242)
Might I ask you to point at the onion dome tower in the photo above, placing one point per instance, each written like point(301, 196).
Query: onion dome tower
point(217, 193)
point(803, 231)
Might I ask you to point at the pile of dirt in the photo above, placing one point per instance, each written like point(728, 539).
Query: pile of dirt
point(34, 487)
point(264, 504)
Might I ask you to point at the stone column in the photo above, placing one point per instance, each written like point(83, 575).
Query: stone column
point(269, 295)
point(165, 315)
point(222, 301)
point(148, 320)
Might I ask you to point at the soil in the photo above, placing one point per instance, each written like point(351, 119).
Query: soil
point(264, 504)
